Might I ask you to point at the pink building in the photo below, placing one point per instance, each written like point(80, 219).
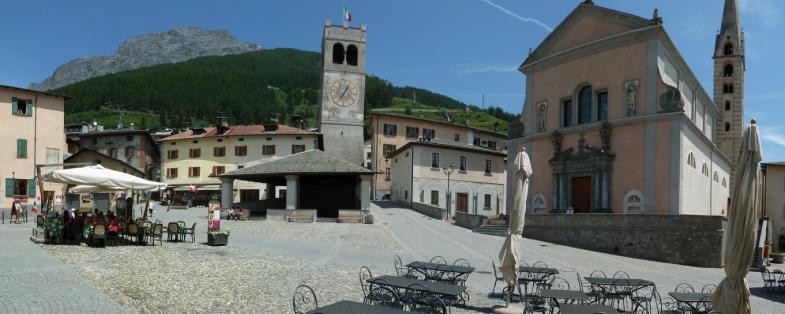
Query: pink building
point(615, 120)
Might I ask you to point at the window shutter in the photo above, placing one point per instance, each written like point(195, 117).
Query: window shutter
point(13, 105)
point(21, 148)
point(31, 188)
point(9, 187)
point(29, 107)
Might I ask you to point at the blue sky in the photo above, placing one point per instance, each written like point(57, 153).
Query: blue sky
point(461, 48)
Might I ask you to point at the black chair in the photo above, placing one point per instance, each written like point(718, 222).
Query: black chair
point(304, 300)
point(436, 275)
point(98, 234)
point(598, 274)
point(557, 283)
point(709, 288)
point(496, 275)
point(617, 295)
point(438, 260)
point(684, 287)
point(703, 306)
point(642, 299)
point(381, 294)
point(621, 275)
point(540, 264)
point(459, 279)
point(365, 274)
point(664, 306)
point(420, 299)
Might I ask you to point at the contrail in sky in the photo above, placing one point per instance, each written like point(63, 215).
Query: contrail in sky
point(515, 15)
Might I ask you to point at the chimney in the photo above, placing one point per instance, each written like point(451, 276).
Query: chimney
point(223, 124)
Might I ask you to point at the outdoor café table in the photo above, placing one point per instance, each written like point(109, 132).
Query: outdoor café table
point(424, 267)
point(586, 309)
point(447, 290)
point(352, 307)
point(537, 275)
point(691, 299)
point(564, 295)
point(603, 282)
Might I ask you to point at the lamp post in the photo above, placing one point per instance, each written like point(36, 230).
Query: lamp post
point(448, 171)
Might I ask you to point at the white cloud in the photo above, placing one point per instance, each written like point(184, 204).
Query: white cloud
point(774, 138)
point(515, 15)
point(766, 10)
point(490, 68)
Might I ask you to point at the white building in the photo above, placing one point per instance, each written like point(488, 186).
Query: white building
point(476, 186)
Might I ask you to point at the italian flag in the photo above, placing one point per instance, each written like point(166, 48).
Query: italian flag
point(347, 15)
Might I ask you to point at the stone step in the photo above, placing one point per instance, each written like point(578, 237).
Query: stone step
point(493, 230)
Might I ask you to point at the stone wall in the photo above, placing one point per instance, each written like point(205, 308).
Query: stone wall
point(428, 210)
point(679, 239)
point(469, 221)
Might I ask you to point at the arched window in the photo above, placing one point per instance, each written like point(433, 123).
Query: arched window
point(728, 49)
point(727, 88)
point(727, 126)
point(727, 71)
point(691, 160)
point(338, 53)
point(724, 183)
point(633, 201)
point(705, 170)
point(351, 55)
point(716, 177)
point(727, 105)
point(584, 105)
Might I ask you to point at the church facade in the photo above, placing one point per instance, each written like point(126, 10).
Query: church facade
point(616, 121)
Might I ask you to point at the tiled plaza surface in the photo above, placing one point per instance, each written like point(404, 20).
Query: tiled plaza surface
point(266, 260)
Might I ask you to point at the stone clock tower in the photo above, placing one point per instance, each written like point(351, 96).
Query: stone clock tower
point(343, 91)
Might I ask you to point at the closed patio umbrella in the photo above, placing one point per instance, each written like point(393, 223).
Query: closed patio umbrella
point(732, 294)
point(510, 252)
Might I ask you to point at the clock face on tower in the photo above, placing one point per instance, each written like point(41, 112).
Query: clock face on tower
point(344, 93)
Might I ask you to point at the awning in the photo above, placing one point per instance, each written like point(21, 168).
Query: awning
point(100, 177)
point(187, 188)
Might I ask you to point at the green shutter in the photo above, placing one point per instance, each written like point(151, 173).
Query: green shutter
point(29, 107)
point(13, 105)
point(31, 188)
point(9, 187)
point(21, 148)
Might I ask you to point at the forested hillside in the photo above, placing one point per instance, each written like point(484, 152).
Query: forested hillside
point(253, 87)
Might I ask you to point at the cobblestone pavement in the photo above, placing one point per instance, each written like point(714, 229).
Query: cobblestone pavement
point(266, 260)
point(32, 281)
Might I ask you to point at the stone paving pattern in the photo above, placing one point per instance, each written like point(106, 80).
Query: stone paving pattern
point(266, 260)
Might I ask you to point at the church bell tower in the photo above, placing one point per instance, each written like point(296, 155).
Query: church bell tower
point(343, 91)
point(729, 67)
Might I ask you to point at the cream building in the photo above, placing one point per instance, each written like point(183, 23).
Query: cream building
point(195, 157)
point(616, 121)
point(774, 201)
point(389, 132)
point(31, 131)
point(476, 185)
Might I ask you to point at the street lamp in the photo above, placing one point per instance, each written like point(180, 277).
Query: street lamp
point(448, 171)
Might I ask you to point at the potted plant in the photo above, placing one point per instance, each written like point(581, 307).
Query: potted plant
point(218, 237)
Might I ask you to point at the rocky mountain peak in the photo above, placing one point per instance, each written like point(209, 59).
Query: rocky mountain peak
point(175, 45)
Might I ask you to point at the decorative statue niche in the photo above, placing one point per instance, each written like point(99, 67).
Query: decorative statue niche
point(631, 98)
point(670, 101)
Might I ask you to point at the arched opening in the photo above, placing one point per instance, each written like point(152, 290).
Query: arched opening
point(727, 105)
point(691, 160)
point(727, 89)
point(728, 49)
point(351, 55)
point(633, 201)
point(584, 105)
point(727, 126)
point(338, 53)
point(539, 204)
point(727, 71)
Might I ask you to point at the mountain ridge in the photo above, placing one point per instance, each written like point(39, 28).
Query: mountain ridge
point(173, 46)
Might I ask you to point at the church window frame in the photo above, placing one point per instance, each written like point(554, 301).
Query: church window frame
point(705, 170)
point(727, 127)
point(585, 103)
point(691, 160)
point(566, 113)
point(602, 105)
point(724, 182)
point(727, 88)
point(727, 105)
point(539, 203)
point(339, 54)
point(716, 177)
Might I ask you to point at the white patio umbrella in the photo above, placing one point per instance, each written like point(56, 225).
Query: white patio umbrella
point(732, 294)
point(94, 189)
point(510, 252)
point(101, 177)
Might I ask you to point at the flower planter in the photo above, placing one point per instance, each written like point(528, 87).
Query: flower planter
point(217, 239)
